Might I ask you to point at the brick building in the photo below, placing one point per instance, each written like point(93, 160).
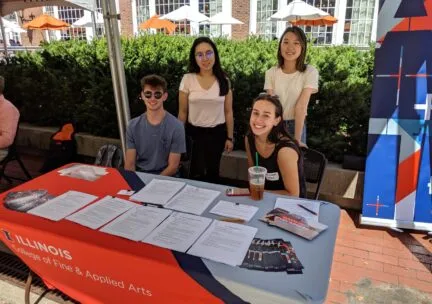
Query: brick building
point(356, 19)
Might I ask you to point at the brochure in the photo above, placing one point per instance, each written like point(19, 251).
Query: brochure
point(294, 223)
point(274, 255)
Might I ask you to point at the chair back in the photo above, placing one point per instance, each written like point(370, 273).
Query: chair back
point(13, 155)
point(109, 155)
point(314, 163)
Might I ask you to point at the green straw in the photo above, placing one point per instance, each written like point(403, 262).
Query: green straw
point(256, 159)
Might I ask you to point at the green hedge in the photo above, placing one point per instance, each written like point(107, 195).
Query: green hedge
point(71, 80)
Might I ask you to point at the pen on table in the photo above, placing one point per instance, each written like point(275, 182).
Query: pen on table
point(307, 209)
point(232, 220)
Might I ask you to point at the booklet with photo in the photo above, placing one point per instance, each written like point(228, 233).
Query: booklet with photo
point(275, 255)
point(23, 201)
point(294, 223)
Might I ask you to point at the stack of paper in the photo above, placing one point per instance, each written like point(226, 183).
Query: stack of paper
point(158, 191)
point(103, 211)
point(178, 232)
point(63, 205)
point(224, 242)
point(86, 172)
point(234, 210)
point(137, 223)
point(192, 200)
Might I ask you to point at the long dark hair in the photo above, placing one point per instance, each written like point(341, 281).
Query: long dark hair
point(300, 63)
point(279, 132)
point(217, 69)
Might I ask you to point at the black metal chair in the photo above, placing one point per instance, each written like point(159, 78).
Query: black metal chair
point(13, 155)
point(314, 164)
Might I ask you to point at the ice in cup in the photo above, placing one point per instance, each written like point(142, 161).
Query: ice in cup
point(257, 177)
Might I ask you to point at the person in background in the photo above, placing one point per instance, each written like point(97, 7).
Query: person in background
point(293, 81)
point(276, 150)
point(205, 105)
point(155, 140)
point(9, 116)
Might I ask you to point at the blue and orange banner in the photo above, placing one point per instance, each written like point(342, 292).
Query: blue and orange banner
point(398, 179)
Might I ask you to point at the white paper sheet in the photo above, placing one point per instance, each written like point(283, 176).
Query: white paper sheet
point(192, 200)
point(224, 242)
point(137, 223)
point(63, 205)
point(126, 192)
point(158, 191)
point(178, 232)
point(291, 205)
point(234, 210)
point(98, 214)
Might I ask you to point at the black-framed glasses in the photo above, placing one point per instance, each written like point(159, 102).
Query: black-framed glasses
point(149, 94)
point(207, 55)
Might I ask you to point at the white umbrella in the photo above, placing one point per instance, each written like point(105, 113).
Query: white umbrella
point(185, 13)
point(298, 10)
point(223, 19)
point(10, 26)
point(86, 20)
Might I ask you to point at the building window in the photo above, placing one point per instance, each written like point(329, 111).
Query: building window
point(70, 15)
point(358, 22)
point(210, 8)
point(99, 27)
point(266, 29)
point(143, 11)
point(13, 38)
point(164, 7)
point(49, 10)
point(321, 34)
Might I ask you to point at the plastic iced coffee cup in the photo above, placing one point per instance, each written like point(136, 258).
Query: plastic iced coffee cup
point(257, 177)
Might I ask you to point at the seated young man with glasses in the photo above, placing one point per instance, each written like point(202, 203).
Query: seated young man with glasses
point(156, 139)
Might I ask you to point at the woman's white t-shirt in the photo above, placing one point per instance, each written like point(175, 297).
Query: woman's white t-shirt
point(289, 86)
point(205, 107)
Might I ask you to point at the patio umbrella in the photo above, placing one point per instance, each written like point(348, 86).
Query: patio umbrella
point(86, 20)
point(223, 19)
point(326, 20)
point(10, 26)
point(46, 22)
point(156, 23)
point(298, 10)
point(185, 13)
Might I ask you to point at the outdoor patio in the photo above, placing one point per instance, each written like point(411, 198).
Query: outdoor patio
point(362, 255)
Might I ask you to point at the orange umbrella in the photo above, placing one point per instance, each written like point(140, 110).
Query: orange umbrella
point(156, 23)
point(46, 22)
point(325, 20)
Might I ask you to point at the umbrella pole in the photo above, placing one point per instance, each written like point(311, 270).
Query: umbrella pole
point(93, 17)
point(117, 68)
point(3, 32)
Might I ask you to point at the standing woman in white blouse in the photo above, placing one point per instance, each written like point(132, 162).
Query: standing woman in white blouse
point(205, 106)
point(293, 81)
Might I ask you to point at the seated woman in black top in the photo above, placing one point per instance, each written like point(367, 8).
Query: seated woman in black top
point(277, 151)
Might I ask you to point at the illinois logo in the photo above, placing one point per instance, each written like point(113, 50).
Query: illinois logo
point(8, 235)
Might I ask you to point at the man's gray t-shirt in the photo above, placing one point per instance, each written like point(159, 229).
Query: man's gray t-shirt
point(153, 144)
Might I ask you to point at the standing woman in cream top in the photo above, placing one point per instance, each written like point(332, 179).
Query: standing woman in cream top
point(205, 105)
point(293, 81)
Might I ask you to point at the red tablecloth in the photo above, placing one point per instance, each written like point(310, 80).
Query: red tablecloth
point(91, 266)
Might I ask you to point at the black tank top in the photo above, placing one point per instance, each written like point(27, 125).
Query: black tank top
point(274, 177)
